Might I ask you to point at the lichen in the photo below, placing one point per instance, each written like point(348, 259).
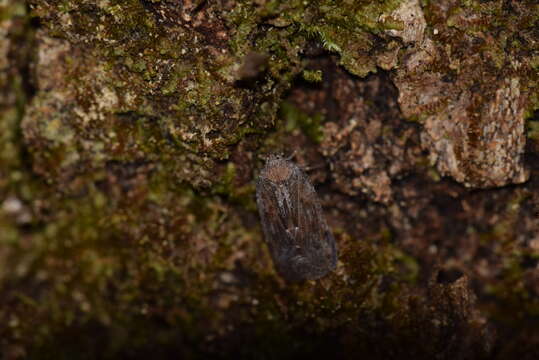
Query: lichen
point(472, 85)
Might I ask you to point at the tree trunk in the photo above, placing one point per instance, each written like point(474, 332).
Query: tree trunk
point(132, 133)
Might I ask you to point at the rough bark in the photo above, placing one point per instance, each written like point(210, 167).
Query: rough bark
point(131, 132)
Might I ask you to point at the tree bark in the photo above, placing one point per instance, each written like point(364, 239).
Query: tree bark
point(132, 132)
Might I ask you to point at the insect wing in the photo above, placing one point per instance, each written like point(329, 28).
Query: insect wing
point(316, 251)
point(274, 218)
point(295, 229)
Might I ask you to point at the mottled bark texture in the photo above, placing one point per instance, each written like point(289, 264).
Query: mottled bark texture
point(131, 133)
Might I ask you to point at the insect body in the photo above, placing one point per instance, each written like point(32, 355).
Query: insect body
point(299, 239)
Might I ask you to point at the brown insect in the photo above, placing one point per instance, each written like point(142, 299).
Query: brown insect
point(300, 241)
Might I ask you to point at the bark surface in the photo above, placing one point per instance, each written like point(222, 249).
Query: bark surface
point(131, 133)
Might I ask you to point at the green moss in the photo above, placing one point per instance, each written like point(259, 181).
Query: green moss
point(343, 27)
point(312, 75)
point(293, 119)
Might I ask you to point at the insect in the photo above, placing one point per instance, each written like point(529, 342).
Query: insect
point(300, 241)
